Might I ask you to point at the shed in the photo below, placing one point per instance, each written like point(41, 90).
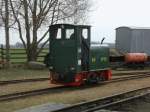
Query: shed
point(133, 39)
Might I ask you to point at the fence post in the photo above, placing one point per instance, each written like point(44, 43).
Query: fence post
point(2, 55)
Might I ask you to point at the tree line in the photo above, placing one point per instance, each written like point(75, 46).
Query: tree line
point(29, 17)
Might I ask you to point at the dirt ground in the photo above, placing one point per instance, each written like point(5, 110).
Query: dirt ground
point(76, 96)
point(13, 88)
point(20, 73)
point(28, 86)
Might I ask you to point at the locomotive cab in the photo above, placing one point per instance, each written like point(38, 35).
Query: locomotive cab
point(69, 51)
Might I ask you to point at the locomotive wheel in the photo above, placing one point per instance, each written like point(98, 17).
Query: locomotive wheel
point(93, 78)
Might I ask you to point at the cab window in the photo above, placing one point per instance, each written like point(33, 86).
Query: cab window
point(58, 33)
point(85, 33)
point(70, 34)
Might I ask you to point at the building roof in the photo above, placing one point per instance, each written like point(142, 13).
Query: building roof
point(133, 27)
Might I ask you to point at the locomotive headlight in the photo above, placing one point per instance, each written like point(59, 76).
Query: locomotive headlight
point(79, 50)
point(51, 67)
point(72, 68)
point(79, 62)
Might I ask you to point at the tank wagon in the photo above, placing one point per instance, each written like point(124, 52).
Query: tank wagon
point(136, 57)
point(131, 60)
point(136, 60)
point(72, 60)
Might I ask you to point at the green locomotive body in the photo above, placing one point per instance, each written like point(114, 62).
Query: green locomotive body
point(99, 58)
point(72, 60)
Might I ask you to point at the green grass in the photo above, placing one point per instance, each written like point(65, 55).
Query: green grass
point(20, 73)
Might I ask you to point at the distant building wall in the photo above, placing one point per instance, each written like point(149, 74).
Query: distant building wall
point(142, 43)
point(123, 37)
point(135, 39)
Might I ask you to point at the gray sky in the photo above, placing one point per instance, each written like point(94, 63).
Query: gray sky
point(110, 14)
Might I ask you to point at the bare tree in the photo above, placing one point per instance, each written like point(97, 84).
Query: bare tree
point(7, 22)
point(7, 32)
point(32, 16)
point(4, 12)
point(79, 9)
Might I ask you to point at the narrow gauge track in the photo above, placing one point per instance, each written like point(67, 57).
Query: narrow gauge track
point(127, 78)
point(59, 89)
point(22, 81)
point(29, 93)
point(131, 73)
point(103, 103)
point(44, 79)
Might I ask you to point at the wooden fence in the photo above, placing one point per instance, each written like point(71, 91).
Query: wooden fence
point(18, 56)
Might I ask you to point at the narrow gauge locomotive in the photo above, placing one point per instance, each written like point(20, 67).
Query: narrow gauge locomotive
point(72, 60)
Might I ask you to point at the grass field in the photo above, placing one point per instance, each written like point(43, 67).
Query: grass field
point(20, 73)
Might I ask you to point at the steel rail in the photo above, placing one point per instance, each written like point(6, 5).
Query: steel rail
point(44, 79)
point(22, 81)
point(105, 102)
point(127, 78)
point(64, 88)
point(131, 73)
point(29, 93)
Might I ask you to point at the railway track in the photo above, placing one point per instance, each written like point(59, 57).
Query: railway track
point(131, 73)
point(44, 79)
point(127, 78)
point(29, 93)
point(103, 103)
point(59, 89)
point(22, 81)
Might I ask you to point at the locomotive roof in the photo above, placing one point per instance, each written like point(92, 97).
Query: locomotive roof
point(57, 25)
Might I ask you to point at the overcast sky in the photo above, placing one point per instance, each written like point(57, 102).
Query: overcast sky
point(110, 14)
